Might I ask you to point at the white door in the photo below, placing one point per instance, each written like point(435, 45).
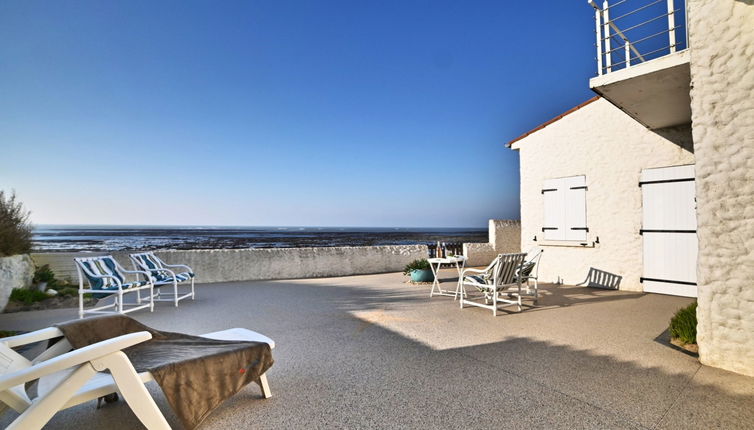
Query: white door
point(669, 230)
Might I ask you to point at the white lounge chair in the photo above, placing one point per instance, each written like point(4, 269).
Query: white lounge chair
point(498, 279)
point(70, 377)
point(106, 277)
point(163, 275)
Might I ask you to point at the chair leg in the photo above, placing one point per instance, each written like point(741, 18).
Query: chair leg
point(494, 304)
point(175, 292)
point(133, 390)
point(265, 386)
point(193, 293)
point(42, 410)
point(81, 304)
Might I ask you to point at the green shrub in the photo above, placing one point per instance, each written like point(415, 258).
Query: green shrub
point(15, 229)
point(44, 274)
point(683, 324)
point(68, 291)
point(27, 296)
point(421, 264)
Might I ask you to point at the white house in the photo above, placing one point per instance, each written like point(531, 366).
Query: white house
point(652, 181)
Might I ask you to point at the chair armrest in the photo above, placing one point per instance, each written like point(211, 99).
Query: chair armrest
point(179, 265)
point(35, 336)
point(473, 271)
point(72, 358)
point(139, 272)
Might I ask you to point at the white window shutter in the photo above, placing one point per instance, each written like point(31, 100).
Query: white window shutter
point(575, 208)
point(565, 209)
point(554, 217)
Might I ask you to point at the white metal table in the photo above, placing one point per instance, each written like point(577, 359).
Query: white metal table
point(435, 263)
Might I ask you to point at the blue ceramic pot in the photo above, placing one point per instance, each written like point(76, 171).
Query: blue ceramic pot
point(423, 275)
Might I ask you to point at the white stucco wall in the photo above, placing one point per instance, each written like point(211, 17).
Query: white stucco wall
point(722, 104)
point(224, 265)
point(504, 238)
point(611, 149)
point(15, 272)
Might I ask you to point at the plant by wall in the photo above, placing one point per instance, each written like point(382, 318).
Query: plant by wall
point(15, 229)
point(44, 274)
point(422, 264)
point(683, 324)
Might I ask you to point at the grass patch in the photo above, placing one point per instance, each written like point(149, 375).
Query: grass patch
point(683, 324)
point(27, 296)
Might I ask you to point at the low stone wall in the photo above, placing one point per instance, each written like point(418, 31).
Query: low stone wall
point(15, 272)
point(224, 265)
point(504, 238)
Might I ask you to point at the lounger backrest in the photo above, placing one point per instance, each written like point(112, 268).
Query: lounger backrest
point(507, 267)
point(11, 361)
point(91, 267)
point(148, 262)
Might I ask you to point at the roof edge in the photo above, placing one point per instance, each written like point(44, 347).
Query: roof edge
point(557, 118)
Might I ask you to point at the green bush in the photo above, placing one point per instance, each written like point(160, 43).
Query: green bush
point(421, 264)
point(44, 274)
point(683, 324)
point(15, 229)
point(27, 296)
point(68, 291)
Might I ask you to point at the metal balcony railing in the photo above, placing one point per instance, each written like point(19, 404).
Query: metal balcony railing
point(629, 32)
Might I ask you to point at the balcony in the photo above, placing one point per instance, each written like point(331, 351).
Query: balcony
point(643, 60)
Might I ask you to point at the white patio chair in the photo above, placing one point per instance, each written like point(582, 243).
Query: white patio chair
point(163, 275)
point(106, 277)
point(498, 279)
point(70, 377)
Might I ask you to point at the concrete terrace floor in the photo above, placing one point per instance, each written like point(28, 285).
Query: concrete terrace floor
point(373, 352)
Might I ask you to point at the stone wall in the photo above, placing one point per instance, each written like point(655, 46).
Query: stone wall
point(721, 37)
point(223, 265)
point(504, 238)
point(15, 272)
point(610, 149)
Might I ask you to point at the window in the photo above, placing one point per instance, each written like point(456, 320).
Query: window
point(565, 208)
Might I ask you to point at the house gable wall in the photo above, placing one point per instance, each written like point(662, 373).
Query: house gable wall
point(611, 149)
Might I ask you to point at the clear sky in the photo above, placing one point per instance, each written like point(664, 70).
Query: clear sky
point(332, 113)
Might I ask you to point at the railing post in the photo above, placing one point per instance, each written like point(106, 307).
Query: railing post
point(628, 53)
point(598, 32)
point(671, 25)
point(606, 29)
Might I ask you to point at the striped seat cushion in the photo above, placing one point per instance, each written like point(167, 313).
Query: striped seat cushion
point(150, 263)
point(526, 269)
point(114, 288)
point(102, 267)
point(179, 277)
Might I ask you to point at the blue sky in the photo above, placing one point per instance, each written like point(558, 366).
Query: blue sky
point(334, 113)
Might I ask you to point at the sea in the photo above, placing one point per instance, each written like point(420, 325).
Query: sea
point(69, 238)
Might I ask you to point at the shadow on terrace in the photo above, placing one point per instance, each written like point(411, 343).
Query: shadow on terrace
point(372, 351)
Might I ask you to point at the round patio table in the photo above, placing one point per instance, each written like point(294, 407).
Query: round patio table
point(435, 263)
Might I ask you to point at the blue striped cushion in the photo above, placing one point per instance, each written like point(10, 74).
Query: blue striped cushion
point(180, 277)
point(112, 289)
point(102, 266)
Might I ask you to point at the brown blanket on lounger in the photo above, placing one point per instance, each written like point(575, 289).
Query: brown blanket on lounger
point(196, 374)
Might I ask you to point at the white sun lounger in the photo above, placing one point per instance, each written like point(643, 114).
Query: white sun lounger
point(71, 377)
